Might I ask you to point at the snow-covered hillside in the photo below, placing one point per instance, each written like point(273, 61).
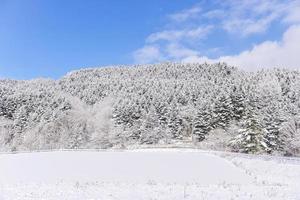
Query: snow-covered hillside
point(147, 174)
point(116, 107)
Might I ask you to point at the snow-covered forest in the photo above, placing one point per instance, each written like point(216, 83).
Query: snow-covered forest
point(214, 106)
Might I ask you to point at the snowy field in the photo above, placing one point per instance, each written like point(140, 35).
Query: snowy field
point(147, 174)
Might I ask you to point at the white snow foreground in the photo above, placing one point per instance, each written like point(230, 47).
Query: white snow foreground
point(147, 174)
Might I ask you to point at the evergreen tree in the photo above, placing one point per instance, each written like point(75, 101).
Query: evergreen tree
point(222, 113)
point(273, 123)
point(202, 124)
point(238, 101)
point(174, 124)
point(251, 135)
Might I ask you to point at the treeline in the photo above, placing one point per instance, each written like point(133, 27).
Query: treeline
point(167, 103)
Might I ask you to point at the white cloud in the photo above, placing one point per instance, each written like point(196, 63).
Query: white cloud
point(173, 35)
point(185, 14)
point(187, 30)
point(252, 17)
point(217, 13)
point(246, 18)
point(175, 51)
point(269, 54)
point(147, 54)
point(172, 51)
point(246, 27)
point(294, 14)
point(165, 35)
point(154, 51)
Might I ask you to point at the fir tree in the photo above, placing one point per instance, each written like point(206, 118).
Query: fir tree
point(238, 101)
point(273, 121)
point(251, 135)
point(202, 124)
point(222, 113)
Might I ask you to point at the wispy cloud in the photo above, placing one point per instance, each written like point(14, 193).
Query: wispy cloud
point(294, 13)
point(176, 51)
point(176, 35)
point(186, 14)
point(190, 28)
point(217, 13)
point(252, 17)
point(147, 54)
point(170, 44)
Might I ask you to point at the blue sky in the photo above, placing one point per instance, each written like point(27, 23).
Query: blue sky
point(48, 38)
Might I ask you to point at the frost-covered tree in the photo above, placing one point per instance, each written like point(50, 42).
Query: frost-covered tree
point(202, 124)
point(250, 138)
point(273, 120)
point(223, 112)
point(238, 103)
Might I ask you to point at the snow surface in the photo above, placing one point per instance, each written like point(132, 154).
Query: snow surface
point(147, 174)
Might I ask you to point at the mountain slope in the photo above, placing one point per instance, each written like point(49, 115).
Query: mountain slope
point(213, 106)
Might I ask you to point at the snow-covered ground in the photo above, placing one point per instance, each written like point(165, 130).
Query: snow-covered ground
point(147, 174)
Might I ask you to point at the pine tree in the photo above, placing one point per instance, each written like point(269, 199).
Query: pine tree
point(162, 112)
point(150, 133)
point(222, 113)
point(202, 124)
point(251, 135)
point(238, 101)
point(273, 123)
